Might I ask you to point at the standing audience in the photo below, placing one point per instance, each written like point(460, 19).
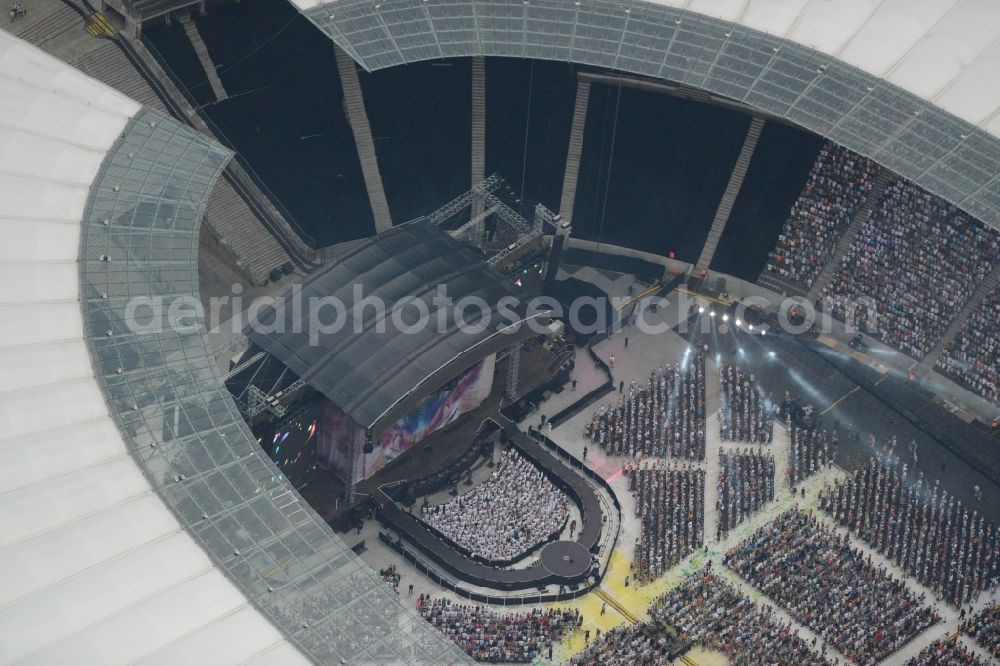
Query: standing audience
point(811, 450)
point(707, 611)
point(985, 628)
point(916, 525)
point(831, 588)
point(745, 414)
point(666, 417)
point(670, 503)
point(944, 653)
point(746, 484)
point(498, 637)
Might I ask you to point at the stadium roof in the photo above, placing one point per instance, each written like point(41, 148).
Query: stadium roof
point(371, 367)
point(96, 568)
point(911, 84)
point(139, 520)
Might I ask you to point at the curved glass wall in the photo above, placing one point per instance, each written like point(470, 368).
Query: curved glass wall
point(138, 250)
point(943, 154)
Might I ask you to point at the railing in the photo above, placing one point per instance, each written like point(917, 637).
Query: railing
point(449, 584)
point(594, 477)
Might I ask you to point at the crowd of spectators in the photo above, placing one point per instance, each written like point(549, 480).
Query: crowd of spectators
point(973, 357)
point(625, 645)
point(944, 653)
point(666, 417)
point(837, 186)
point(707, 611)
point(950, 549)
point(670, 504)
point(985, 628)
point(746, 483)
point(809, 452)
point(746, 414)
point(513, 511)
point(831, 588)
point(499, 637)
point(918, 259)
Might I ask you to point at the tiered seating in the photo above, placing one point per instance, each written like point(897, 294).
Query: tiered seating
point(918, 259)
point(837, 185)
point(973, 358)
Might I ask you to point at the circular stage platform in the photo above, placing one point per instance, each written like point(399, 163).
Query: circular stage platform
point(566, 559)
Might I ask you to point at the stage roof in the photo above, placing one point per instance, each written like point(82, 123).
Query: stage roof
point(378, 365)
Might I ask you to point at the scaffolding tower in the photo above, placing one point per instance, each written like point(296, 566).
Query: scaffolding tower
point(482, 219)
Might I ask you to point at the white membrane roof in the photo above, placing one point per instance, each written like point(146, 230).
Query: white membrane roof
point(94, 568)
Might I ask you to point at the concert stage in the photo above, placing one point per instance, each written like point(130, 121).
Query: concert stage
point(437, 452)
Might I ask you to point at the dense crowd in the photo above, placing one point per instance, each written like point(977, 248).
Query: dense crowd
point(746, 414)
point(809, 452)
point(837, 186)
point(918, 259)
point(944, 653)
point(707, 611)
point(948, 548)
point(670, 504)
point(499, 637)
point(516, 509)
point(831, 588)
point(746, 483)
point(666, 417)
point(985, 628)
point(625, 645)
point(973, 357)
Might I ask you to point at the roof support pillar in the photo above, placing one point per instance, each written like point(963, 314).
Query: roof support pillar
point(354, 104)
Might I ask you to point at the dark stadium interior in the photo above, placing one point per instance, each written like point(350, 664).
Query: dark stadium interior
point(669, 164)
point(597, 333)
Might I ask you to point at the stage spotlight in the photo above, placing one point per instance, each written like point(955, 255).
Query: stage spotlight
point(763, 332)
point(701, 310)
point(771, 354)
point(750, 327)
point(741, 351)
point(711, 314)
point(738, 323)
point(725, 317)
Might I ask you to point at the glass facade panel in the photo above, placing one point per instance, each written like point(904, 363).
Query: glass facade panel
point(184, 430)
point(945, 155)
